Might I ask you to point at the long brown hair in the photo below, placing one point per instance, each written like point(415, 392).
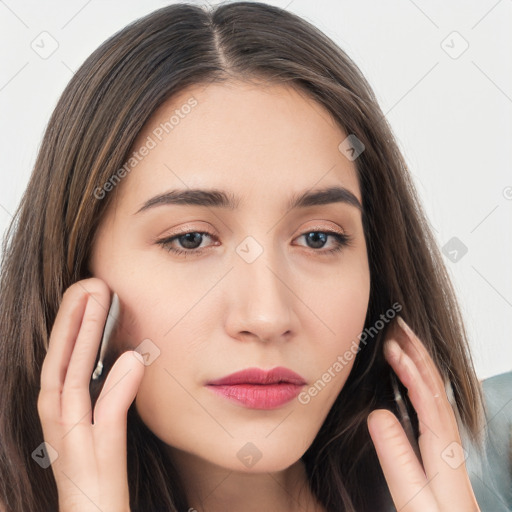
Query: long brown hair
point(88, 139)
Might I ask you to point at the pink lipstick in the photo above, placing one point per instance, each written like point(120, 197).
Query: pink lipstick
point(259, 389)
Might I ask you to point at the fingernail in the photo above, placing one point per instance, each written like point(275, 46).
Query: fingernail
point(392, 350)
point(407, 330)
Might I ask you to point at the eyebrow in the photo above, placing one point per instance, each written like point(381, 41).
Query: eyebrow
point(221, 199)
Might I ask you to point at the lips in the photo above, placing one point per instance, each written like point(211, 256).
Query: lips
point(259, 376)
point(259, 389)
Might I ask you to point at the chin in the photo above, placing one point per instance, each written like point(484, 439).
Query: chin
point(248, 455)
point(254, 456)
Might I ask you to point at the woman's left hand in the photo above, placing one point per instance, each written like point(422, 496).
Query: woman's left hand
point(441, 483)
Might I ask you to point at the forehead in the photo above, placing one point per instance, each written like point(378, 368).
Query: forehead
point(252, 137)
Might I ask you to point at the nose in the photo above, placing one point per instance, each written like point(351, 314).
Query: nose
point(261, 302)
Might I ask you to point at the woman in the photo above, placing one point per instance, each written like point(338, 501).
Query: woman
point(231, 178)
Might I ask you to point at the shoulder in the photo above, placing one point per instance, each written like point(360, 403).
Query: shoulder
point(498, 393)
point(491, 471)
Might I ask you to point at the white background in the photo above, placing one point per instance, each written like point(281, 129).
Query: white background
point(451, 116)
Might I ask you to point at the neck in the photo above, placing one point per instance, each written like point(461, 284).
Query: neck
point(212, 488)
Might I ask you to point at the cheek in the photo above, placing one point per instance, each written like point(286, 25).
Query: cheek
point(347, 309)
point(342, 308)
point(341, 302)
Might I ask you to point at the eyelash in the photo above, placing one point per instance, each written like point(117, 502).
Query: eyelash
point(341, 241)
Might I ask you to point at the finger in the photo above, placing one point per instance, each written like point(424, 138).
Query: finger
point(404, 475)
point(62, 340)
point(419, 393)
point(119, 391)
point(430, 384)
point(75, 399)
point(439, 436)
point(110, 416)
point(417, 351)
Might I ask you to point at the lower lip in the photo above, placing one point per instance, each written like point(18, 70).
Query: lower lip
point(259, 396)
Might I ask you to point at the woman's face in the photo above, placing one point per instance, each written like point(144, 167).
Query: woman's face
point(267, 286)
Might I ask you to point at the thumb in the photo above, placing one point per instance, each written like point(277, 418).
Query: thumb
point(110, 417)
point(404, 475)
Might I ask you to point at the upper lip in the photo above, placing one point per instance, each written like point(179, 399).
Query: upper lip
point(259, 376)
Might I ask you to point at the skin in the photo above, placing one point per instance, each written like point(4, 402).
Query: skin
point(212, 314)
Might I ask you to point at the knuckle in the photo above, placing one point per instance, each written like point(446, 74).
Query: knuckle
point(92, 321)
point(404, 457)
point(93, 317)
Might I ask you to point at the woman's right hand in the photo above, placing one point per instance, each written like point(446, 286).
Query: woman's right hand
point(90, 467)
